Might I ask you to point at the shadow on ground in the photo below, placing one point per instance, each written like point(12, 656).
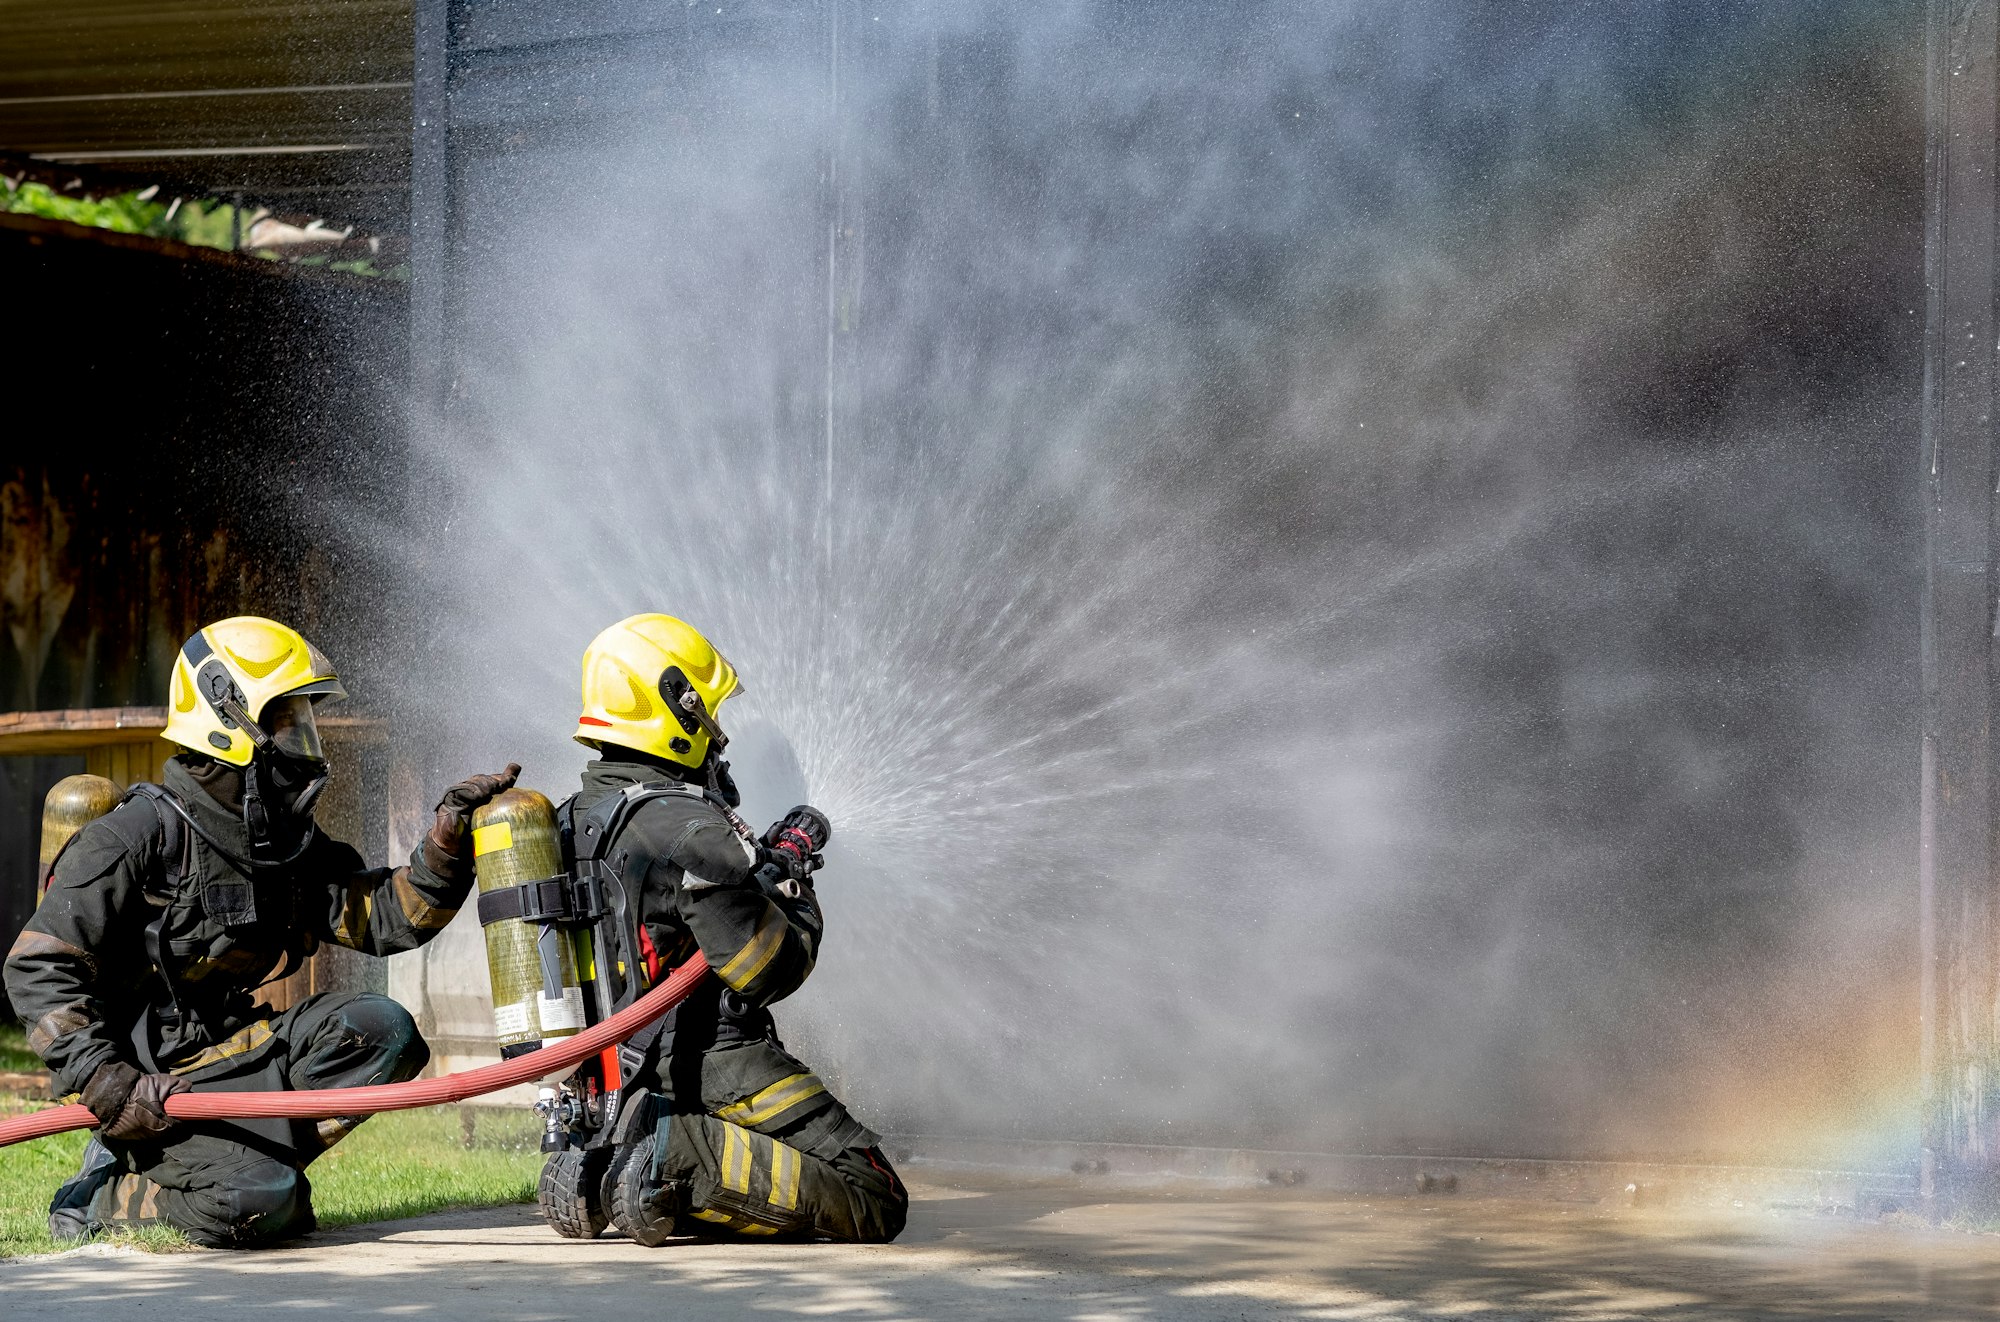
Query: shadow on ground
point(1068, 1252)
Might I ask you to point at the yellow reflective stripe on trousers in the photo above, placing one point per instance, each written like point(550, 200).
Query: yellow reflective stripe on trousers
point(772, 1102)
point(740, 1225)
point(736, 1159)
point(750, 961)
point(242, 1040)
point(784, 1176)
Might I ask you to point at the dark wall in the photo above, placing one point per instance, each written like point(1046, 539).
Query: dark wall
point(190, 435)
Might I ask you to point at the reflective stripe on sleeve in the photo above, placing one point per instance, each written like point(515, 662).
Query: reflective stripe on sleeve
point(750, 961)
point(354, 912)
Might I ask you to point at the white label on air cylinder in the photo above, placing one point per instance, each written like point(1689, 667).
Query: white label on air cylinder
point(563, 1013)
point(511, 1020)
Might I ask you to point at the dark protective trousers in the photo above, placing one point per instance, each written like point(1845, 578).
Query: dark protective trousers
point(771, 1151)
point(242, 1183)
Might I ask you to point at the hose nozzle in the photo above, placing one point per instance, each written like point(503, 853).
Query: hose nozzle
point(806, 827)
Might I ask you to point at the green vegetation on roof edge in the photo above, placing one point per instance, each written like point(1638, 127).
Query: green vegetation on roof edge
point(201, 224)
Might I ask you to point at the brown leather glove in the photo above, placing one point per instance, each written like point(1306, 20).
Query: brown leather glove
point(130, 1107)
point(444, 847)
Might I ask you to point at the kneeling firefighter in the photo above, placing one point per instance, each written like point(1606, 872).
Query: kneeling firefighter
point(137, 976)
point(740, 1138)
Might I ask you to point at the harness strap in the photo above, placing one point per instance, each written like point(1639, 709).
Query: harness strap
point(587, 844)
point(176, 847)
point(557, 899)
point(246, 866)
point(174, 844)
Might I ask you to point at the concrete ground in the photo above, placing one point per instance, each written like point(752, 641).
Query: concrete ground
point(1000, 1249)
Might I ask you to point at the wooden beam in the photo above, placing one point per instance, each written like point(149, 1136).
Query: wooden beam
point(77, 731)
point(30, 733)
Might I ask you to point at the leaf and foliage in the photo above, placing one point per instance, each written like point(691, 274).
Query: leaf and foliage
point(205, 224)
point(15, 1058)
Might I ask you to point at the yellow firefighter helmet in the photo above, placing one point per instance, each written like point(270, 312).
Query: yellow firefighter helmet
point(247, 663)
point(653, 683)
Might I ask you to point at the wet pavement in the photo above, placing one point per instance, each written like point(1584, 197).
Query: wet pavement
point(999, 1249)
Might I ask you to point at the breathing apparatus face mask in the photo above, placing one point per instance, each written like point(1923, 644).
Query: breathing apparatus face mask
point(285, 775)
point(289, 721)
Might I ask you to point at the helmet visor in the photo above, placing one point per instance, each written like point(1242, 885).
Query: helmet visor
point(289, 722)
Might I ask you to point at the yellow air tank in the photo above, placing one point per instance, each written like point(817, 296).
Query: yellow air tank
point(514, 841)
point(73, 803)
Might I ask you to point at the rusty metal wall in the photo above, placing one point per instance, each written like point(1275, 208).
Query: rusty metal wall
point(186, 439)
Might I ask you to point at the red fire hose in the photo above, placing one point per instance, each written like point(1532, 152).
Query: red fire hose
point(321, 1103)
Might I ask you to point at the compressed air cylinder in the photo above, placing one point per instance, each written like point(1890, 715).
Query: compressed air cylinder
point(514, 840)
point(73, 803)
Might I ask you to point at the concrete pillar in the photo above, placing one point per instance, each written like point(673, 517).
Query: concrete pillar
point(1959, 890)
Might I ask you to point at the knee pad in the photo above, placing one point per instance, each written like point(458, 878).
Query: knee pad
point(392, 1030)
point(248, 1208)
point(880, 1202)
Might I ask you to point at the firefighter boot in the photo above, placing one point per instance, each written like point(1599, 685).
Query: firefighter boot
point(642, 1205)
point(69, 1210)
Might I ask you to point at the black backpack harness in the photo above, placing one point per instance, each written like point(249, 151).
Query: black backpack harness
point(230, 903)
point(599, 892)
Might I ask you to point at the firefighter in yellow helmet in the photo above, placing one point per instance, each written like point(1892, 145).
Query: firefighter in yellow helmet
point(743, 1138)
point(138, 975)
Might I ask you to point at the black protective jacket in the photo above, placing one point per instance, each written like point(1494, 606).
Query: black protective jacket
point(698, 890)
point(80, 974)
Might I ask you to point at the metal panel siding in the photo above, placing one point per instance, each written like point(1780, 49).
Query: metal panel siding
point(486, 25)
point(528, 116)
point(303, 106)
point(520, 100)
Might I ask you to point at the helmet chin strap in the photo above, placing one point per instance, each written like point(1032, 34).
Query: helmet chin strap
point(234, 710)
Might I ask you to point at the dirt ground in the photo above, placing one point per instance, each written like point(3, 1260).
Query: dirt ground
point(993, 1249)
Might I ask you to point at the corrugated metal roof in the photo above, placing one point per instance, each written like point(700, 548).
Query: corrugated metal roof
point(304, 107)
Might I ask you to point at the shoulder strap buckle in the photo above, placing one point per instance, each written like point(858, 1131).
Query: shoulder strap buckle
point(562, 899)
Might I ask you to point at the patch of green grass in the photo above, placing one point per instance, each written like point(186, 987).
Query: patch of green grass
point(15, 1058)
point(407, 1163)
point(404, 1163)
point(29, 1174)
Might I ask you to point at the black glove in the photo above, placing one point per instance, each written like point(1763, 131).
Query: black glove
point(130, 1107)
point(445, 845)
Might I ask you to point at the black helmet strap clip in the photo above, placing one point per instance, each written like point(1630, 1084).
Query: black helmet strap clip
point(689, 709)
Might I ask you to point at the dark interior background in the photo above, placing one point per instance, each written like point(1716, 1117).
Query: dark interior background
point(176, 421)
